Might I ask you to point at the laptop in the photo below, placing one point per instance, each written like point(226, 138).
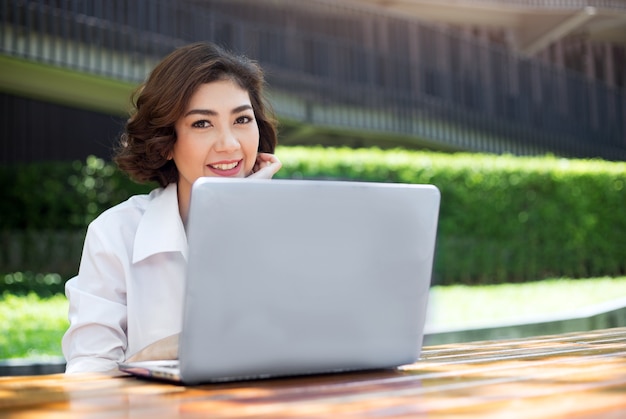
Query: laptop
point(298, 277)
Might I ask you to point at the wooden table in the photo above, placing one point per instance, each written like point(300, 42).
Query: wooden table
point(571, 375)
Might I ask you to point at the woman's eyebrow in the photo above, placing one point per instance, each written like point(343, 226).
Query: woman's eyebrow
point(241, 108)
point(214, 113)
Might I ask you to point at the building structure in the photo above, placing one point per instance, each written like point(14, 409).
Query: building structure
point(502, 76)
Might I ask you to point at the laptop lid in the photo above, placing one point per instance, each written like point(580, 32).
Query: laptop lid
point(299, 277)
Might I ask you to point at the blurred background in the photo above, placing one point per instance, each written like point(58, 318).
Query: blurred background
point(516, 76)
point(515, 109)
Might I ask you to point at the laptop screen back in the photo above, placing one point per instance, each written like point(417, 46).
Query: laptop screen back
point(297, 277)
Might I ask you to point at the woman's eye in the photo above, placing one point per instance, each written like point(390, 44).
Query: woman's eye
point(243, 120)
point(201, 124)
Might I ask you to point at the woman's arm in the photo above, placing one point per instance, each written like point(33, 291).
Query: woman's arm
point(166, 348)
point(96, 339)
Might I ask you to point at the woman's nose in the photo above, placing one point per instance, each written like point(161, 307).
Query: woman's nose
point(227, 142)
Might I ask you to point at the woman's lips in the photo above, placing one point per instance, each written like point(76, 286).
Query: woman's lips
point(225, 168)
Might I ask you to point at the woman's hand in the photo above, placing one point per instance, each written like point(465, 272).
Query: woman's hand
point(265, 167)
point(166, 348)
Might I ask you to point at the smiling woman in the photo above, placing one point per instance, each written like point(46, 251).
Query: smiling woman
point(200, 113)
point(176, 91)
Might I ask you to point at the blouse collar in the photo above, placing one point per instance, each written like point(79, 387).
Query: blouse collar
point(160, 229)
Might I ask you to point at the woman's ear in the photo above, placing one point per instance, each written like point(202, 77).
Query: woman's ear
point(169, 155)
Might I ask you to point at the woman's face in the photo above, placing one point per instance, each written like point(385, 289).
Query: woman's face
point(217, 134)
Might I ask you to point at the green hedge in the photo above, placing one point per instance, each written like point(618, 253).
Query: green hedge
point(502, 219)
point(23, 283)
point(53, 195)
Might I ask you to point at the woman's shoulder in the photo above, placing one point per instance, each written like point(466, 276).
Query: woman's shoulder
point(135, 203)
point(128, 212)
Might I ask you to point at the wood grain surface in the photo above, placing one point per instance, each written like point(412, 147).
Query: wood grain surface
point(576, 375)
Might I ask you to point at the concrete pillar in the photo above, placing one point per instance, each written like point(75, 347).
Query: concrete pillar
point(485, 70)
point(609, 64)
point(590, 71)
point(609, 74)
point(559, 61)
point(369, 41)
point(443, 60)
point(383, 47)
point(415, 59)
point(590, 68)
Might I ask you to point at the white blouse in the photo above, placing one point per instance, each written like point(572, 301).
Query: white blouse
point(129, 289)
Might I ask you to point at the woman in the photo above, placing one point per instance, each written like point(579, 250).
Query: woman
point(200, 113)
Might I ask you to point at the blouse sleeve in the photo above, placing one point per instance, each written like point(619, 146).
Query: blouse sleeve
point(96, 338)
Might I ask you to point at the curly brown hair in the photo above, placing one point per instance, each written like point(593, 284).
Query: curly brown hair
point(158, 103)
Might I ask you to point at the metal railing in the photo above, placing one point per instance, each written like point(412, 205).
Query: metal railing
point(560, 4)
point(342, 67)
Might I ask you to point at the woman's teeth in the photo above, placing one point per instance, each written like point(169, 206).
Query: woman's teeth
point(224, 166)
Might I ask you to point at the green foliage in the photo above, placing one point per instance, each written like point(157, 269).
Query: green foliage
point(30, 251)
point(32, 326)
point(45, 208)
point(61, 195)
point(23, 283)
point(502, 218)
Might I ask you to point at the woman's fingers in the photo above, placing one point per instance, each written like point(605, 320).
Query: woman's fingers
point(266, 166)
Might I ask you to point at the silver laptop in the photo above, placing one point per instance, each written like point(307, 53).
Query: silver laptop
point(294, 277)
